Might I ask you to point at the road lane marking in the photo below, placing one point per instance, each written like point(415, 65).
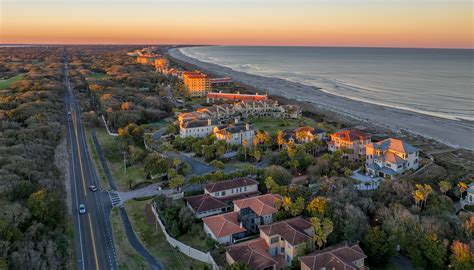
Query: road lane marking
point(93, 241)
point(79, 152)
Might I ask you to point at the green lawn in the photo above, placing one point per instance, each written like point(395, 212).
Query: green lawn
point(134, 173)
point(195, 237)
point(97, 75)
point(95, 158)
point(272, 125)
point(154, 240)
point(4, 84)
point(127, 257)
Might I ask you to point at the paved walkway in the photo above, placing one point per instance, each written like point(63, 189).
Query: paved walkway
point(150, 190)
point(131, 236)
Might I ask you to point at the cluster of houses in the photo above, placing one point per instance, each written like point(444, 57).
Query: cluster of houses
point(237, 215)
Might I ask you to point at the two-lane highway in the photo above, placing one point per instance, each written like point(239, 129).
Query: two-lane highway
point(93, 232)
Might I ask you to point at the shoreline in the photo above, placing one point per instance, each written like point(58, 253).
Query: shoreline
point(453, 133)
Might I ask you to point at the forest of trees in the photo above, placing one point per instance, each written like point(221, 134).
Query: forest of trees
point(33, 223)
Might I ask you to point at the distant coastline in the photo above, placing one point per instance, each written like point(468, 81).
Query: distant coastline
point(451, 132)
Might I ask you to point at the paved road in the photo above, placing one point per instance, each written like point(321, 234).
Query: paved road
point(92, 230)
point(131, 236)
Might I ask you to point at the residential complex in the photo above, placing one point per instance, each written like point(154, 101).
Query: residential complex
point(197, 128)
point(197, 83)
point(148, 59)
point(338, 257)
point(220, 97)
point(235, 133)
point(351, 139)
point(304, 135)
point(390, 157)
point(232, 188)
point(278, 244)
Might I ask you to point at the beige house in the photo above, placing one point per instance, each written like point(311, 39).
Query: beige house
point(232, 188)
point(390, 157)
point(352, 139)
point(235, 133)
point(339, 257)
point(197, 128)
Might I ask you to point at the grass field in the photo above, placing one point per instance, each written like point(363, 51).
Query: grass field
point(133, 174)
point(96, 75)
point(127, 257)
point(154, 239)
point(4, 84)
point(272, 125)
point(104, 184)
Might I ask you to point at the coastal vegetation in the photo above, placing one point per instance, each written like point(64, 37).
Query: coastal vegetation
point(34, 228)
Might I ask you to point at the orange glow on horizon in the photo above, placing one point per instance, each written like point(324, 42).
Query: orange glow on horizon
point(444, 25)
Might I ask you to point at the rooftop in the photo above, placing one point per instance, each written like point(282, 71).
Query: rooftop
point(338, 257)
point(229, 184)
point(292, 230)
point(254, 253)
point(351, 135)
point(261, 205)
point(395, 145)
point(200, 123)
point(204, 202)
point(224, 224)
point(237, 96)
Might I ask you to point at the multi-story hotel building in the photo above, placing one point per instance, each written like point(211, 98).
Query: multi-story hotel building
point(197, 83)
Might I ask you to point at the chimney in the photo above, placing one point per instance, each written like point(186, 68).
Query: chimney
point(241, 226)
point(247, 126)
point(238, 92)
point(209, 121)
point(236, 120)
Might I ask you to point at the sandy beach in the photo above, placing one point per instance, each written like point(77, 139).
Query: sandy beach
point(451, 132)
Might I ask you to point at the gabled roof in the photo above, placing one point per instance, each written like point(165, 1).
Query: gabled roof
point(224, 224)
point(351, 135)
point(232, 96)
point(254, 253)
point(339, 257)
point(204, 202)
point(261, 205)
point(234, 183)
point(292, 230)
point(395, 145)
point(199, 123)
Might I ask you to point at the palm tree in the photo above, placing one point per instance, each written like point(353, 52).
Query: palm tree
point(462, 188)
point(245, 144)
point(421, 194)
point(176, 163)
point(322, 229)
point(444, 186)
point(280, 139)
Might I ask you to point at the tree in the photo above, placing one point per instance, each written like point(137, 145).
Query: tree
point(322, 229)
point(279, 174)
point(217, 164)
point(286, 203)
point(462, 188)
point(434, 252)
point(237, 266)
point(271, 185)
point(280, 139)
point(257, 155)
point(245, 144)
point(176, 163)
point(297, 207)
point(444, 186)
point(462, 257)
point(421, 194)
point(317, 207)
point(176, 181)
point(378, 246)
point(155, 164)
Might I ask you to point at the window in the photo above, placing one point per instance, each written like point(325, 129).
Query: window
point(274, 240)
point(282, 250)
point(216, 194)
point(223, 193)
point(245, 188)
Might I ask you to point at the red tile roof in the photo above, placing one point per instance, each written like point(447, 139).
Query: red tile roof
point(254, 253)
point(351, 135)
point(261, 205)
point(234, 183)
point(224, 224)
point(339, 257)
point(204, 202)
point(241, 97)
point(292, 230)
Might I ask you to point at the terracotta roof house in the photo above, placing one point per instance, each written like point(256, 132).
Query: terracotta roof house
point(288, 238)
point(205, 205)
point(224, 228)
point(256, 211)
point(253, 253)
point(390, 157)
point(213, 97)
point(352, 139)
point(339, 257)
point(231, 188)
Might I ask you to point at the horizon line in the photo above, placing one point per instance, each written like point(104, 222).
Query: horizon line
point(222, 45)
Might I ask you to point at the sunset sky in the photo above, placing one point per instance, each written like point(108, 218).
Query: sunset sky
point(380, 23)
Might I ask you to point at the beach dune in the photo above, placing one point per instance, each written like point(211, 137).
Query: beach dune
point(451, 132)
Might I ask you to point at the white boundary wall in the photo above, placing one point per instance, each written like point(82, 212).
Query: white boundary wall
point(187, 250)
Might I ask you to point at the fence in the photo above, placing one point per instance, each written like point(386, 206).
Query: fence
point(187, 250)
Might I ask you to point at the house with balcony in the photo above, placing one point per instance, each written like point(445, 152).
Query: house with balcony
point(390, 157)
point(234, 97)
point(256, 211)
point(197, 128)
point(278, 245)
point(352, 139)
point(225, 228)
point(235, 133)
point(338, 257)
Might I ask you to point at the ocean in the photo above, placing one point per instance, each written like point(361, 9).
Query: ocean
point(436, 82)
